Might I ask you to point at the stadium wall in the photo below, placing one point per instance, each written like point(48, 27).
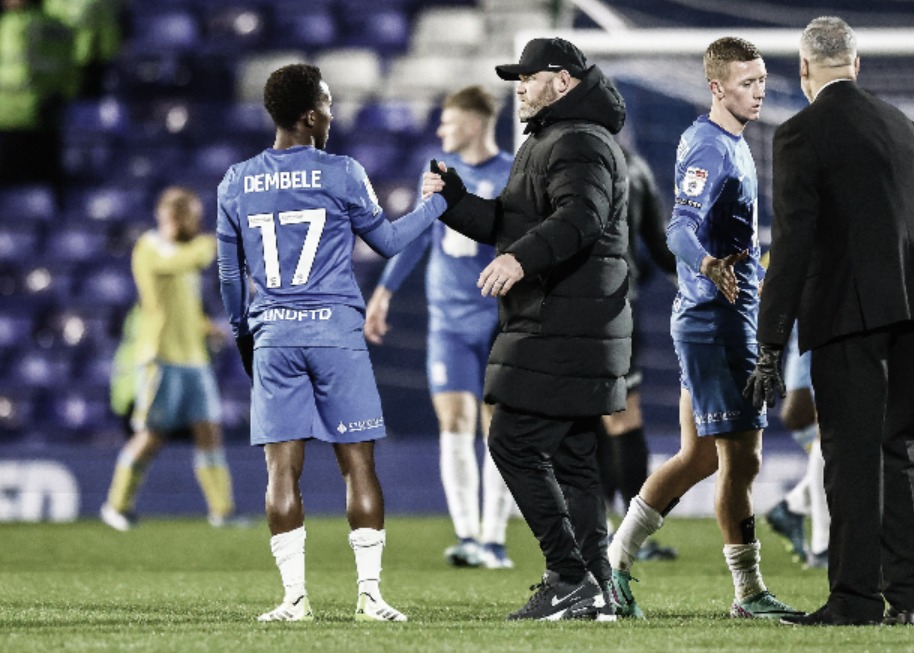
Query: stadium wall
point(62, 483)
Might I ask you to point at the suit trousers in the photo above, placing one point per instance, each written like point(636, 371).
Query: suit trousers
point(550, 466)
point(864, 387)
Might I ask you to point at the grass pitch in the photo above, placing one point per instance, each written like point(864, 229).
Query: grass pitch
point(179, 585)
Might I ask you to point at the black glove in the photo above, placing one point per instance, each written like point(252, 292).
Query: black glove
point(454, 190)
point(766, 379)
point(245, 346)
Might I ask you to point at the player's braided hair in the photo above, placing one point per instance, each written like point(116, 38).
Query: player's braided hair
point(291, 91)
point(725, 51)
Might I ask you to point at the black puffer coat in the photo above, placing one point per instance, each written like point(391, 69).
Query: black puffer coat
point(564, 343)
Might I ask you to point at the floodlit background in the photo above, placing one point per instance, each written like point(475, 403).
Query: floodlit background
point(181, 101)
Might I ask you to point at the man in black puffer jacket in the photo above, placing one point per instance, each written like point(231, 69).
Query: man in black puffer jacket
point(563, 349)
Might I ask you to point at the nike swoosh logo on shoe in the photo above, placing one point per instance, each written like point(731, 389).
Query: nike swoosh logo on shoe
point(556, 599)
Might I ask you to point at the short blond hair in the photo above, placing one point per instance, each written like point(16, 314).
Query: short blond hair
point(725, 51)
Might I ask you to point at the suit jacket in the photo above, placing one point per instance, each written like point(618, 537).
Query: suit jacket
point(842, 249)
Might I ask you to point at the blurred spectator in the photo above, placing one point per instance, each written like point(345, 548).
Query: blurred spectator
point(36, 78)
point(97, 38)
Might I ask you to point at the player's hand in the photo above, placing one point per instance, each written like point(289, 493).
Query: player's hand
point(720, 272)
point(376, 326)
point(500, 275)
point(765, 384)
point(245, 346)
point(452, 188)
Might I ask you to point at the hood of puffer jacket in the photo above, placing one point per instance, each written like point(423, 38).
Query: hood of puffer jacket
point(595, 99)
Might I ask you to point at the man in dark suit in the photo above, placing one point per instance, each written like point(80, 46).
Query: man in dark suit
point(842, 261)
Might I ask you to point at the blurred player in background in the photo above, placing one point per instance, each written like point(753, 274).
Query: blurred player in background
point(176, 388)
point(713, 233)
point(798, 413)
point(288, 217)
point(623, 456)
point(462, 326)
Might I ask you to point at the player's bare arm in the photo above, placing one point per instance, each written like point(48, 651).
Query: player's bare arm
point(720, 272)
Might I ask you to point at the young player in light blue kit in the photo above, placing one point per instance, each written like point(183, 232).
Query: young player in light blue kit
point(462, 326)
point(713, 234)
point(288, 218)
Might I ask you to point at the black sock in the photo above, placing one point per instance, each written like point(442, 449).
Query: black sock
point(630, 457)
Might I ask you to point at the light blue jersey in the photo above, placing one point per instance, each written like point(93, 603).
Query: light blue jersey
point(716, 213)
point(293, 215)
point(455, 261)
point(288, 219)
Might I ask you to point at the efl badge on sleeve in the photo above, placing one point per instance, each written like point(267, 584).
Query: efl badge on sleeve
point(693, 183)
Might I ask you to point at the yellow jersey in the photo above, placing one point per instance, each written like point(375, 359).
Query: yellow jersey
point(172, 324)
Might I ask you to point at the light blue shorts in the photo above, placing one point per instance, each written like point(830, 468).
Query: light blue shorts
point(797, 371)
point(715, 376)
point(172, 397)
point(326, 393)
point(456, 362)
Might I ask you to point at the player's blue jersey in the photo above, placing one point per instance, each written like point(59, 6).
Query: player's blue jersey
point(716, 213)
point(297, 212)
point(455, 261)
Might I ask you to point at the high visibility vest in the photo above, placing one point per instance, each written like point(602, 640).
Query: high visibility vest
point(36, 64)
point(95, 23)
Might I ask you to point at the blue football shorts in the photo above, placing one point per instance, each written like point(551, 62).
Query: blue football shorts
point(327, 393)
point(172, 397)
point(456, 362)
point(715, 376)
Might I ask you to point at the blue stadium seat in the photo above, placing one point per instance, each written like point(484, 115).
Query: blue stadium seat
point(236, 25)
point(42, 369)
point(30, 202)
point(76, 244)
point(41, 285)
point(385, 29)
point(17, 408)
point(108, 286)
point(18, 242)
point(106, 116)
point(163, 29)
point(396, 116)
point(108, 203)
point(88, 158)
point(81, 411)
point(380, 153)
point(252, 119)
point(311, 28)
point(215, 159)
point(15, 329)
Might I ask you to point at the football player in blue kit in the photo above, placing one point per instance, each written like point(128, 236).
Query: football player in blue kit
point(714, 235)
point(462, 326)
point(288, 219)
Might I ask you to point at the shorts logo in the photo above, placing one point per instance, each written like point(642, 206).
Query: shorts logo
point(717, 418)
point(694, 180)
point(360, 425)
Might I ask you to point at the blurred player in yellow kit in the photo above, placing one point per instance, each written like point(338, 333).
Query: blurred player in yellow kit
point(176, 388)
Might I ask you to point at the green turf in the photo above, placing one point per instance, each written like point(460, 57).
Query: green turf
point(183, 586)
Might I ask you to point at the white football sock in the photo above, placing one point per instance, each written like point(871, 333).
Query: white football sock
point(798, 498)
point(640, 522)
point(497, 502)
point(743, 562)
point(819, 516)
point(460, 478)
point(289, 551)
point(368, 545)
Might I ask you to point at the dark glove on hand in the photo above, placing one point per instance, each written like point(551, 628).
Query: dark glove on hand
point(245, 346)
point(766, 379)
point(454, 190)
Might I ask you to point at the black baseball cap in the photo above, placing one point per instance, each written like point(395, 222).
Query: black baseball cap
point(553, 54)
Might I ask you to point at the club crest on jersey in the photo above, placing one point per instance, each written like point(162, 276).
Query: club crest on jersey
point(694, 180)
